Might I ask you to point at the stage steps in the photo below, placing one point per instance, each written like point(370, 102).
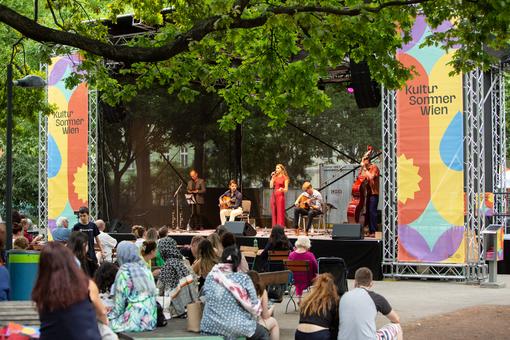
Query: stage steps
point(21, 312)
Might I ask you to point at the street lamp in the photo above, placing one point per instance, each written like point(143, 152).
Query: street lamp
point(28, 81)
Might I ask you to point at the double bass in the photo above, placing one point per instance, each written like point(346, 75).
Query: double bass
point(357, 206)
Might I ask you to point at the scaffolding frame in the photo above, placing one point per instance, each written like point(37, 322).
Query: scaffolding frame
point(475, 97)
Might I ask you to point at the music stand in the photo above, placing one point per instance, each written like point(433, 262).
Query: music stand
point(191, 200)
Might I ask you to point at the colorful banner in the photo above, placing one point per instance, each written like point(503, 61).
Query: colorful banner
point(67, 142)
point(430, 154)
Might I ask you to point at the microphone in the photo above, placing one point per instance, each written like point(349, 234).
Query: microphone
point(273, 173)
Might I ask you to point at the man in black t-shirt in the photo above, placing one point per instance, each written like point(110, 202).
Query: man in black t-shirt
point(85, 225)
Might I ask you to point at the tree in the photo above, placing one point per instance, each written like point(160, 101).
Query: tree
point(264, 54)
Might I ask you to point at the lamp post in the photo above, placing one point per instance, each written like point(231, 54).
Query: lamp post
point(28, 81)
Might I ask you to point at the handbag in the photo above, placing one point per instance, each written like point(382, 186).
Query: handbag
point(195, 311)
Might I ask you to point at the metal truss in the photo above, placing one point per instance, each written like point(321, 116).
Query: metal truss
point(475, 269)
point(42, 201)
point(389, 179)
point(498, 143)
point(93, 153)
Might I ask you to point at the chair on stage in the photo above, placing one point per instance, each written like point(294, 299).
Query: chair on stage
point(320, 220)
point(245, 216)
point(300, 270)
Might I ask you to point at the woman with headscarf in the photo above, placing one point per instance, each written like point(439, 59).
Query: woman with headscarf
point(176, 281)
point(134, 290)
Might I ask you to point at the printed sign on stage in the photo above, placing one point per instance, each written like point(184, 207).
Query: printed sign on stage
point(430, 154)
point(67, 142)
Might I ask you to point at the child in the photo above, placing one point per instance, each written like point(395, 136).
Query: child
point(265, 318)
point(104, 279)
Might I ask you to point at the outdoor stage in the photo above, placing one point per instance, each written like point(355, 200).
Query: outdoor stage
point(356, 253)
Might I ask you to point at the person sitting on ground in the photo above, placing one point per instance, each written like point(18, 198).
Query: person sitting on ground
point(318, 315)
point(215, 240)
point(139, 233)
point(228, 239)
point(148, 252)
point(176, 281)
point(5, 285)
point(358, 311)
point(108, 242)
point(151, 235)
point(134, 307)
point(302, 253)
point(78, 244)
point(277, 241)
point(20, 243)
point(104, 279)
point(163, 232)
point(61, 233)
point(66, 299)
point(191, 252)
point(266, 318)
point(206, 260)
point(231, 305)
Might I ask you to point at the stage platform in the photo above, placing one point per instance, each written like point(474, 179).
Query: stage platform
point(356, 253)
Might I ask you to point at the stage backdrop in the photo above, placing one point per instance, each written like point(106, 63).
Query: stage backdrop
point(67, 142)
point(430, 155)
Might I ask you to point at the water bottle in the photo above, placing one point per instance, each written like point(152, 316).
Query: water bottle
point(255, 243)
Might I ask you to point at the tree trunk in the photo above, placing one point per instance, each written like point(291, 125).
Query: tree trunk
point(143, 202)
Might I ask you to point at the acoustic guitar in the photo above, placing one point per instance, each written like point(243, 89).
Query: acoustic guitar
point(304, 202)
point(226, 202)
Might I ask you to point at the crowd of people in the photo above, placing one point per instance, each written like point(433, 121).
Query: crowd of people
point(88, 285)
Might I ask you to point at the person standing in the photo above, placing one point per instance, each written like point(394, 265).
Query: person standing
point(309, 203)
point(280, 185)
point(358, 311)
point(196, 187)
point(230, 203)
point(90, 228)
point(371, 173)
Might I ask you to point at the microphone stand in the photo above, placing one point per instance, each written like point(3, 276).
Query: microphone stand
point(177, 213)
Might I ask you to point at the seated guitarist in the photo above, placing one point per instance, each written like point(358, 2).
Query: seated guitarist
point(230, 203)
point(309, 203)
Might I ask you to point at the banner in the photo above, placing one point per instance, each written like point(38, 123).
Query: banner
point(430, 154)
point(67, 142)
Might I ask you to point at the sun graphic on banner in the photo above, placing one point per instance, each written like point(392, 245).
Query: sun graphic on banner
point(407, 178)
point(81, 183)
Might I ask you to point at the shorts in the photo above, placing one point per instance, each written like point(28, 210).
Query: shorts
point(389, 331)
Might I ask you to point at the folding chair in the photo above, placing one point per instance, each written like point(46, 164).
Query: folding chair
point(276, 258)
point(277, 278)
point(335, 266)
point(251, 254)
point(296, 267)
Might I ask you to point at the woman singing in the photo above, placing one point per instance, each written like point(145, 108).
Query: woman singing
point(280, 184)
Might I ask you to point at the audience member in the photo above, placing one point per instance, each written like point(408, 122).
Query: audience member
point(152, 235)
point(358, 310)
point(206, 260)
point(17, 232)
point(61, 233)
point(302, 253)
point(266, 318)
point(3, 236)
point(318, 316)
point(5, 285)
point(231, 304)
point(78, 244)
point(215, 240)
point(228, 239)
point(139, 233)
point(163, 232)
point(108, 242)
point(104, 279)
point(134, 307)
point(148, 252)
point(90, 229)
point(62, 296)
point(20, 243)
point(175, 280)
point(277, 241)
point(191, 252)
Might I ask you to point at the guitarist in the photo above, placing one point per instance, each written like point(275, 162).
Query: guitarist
point(230, 203)
point(309, 203)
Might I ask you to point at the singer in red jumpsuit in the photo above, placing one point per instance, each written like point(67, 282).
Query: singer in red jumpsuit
point(280, 184)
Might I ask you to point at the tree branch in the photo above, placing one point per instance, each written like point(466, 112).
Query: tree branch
point(37, 32)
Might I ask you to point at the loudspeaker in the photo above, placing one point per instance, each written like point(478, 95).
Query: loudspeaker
point(366, 91)
point(347, 232)
point(240, 228)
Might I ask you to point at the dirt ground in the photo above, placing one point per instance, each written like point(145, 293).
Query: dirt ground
point(480, 322)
